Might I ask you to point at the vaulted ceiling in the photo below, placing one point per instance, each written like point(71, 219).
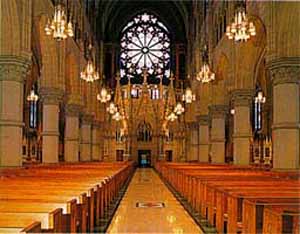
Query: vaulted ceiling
point(113, 15)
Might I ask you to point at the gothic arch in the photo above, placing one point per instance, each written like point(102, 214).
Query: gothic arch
point(247, 56)
point(218, 86)
point(11, 32)
point(49, 73)
point(72, 74)
point(287, 31)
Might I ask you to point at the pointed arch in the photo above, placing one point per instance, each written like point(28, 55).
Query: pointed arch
point(10, 37)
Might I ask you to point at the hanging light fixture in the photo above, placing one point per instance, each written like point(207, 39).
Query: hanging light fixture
point(112, 108)
point(32, 97)
point(117, 116)
point(179, 109)
point(89, 74)
point(240, 30)
point(205, 75)
point(172, 117)
point(104, 95)
point(188, 96)
point(60, 26)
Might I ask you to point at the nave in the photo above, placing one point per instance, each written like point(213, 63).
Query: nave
point(146, 187)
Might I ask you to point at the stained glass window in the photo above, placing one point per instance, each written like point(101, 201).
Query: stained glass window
point(33, 114)
point(145, 44)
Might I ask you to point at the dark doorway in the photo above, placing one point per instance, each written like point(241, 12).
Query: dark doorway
point(120, 155)
point(144, 158)
point(169, 155)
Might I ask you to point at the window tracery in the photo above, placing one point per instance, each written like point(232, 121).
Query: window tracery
point(145, 44)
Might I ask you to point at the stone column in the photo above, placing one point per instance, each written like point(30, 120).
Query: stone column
point(72, 133)
point(96, 142)
point(127, 153)
point(242, 102)
point(203, 138)
point(217, 133)
point(161, 156)
point(51, 97)
point(286, 125)
point(12, 73)
point(86, 138)
point(192, 154)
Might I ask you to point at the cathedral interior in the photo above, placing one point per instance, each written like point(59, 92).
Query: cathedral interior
point(157, 116)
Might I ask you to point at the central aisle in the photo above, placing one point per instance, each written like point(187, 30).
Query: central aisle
point(146, 187)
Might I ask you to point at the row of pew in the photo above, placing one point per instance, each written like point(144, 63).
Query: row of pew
point(238, 199)
point(63, 198)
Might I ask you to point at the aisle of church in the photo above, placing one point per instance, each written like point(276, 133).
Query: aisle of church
point(164, 213)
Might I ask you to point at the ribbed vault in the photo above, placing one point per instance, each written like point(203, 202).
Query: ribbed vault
point(114, 15)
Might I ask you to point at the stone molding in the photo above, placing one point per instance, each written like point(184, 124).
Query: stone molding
point(285, 70)
point(192, 125)
point(217, 111)
point(13, 68)
point(242, 97)
point(96, 124)
point(87, 119)
point(241, 135)
point(11, 123)
point(73, 110)
point(203, 119)
point(76, 99)
point(51, 95)
point(217, 139)
point(50, 133)
point(286, 125)
point(76, 139)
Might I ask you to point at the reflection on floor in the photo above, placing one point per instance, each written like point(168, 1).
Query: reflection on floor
point(149, 207)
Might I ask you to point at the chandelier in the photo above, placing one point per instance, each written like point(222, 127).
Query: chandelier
point(104, 95)
point(188, 96)
point(59, 27)
point(179, 109)
point(240, 29)
point(172, 117)
point(117, 116)
point(112, 108)
point(32, 97)
point(89, 74)
point(205, 75)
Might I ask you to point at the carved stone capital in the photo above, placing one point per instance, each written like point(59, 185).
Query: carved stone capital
point(242, 97)
point(51, 95)
point(217, 111)
point(285, 70)
point(13, 68)
point(75, 99)
point(73, 110)
point(87, 118)
point(192, 125)
point(203, 119)
point(96, 124)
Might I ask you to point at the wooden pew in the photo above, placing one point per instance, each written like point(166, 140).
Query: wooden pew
point(218, 191)
point(55, 181)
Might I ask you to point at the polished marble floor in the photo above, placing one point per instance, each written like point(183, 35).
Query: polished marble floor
point(169, 217)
